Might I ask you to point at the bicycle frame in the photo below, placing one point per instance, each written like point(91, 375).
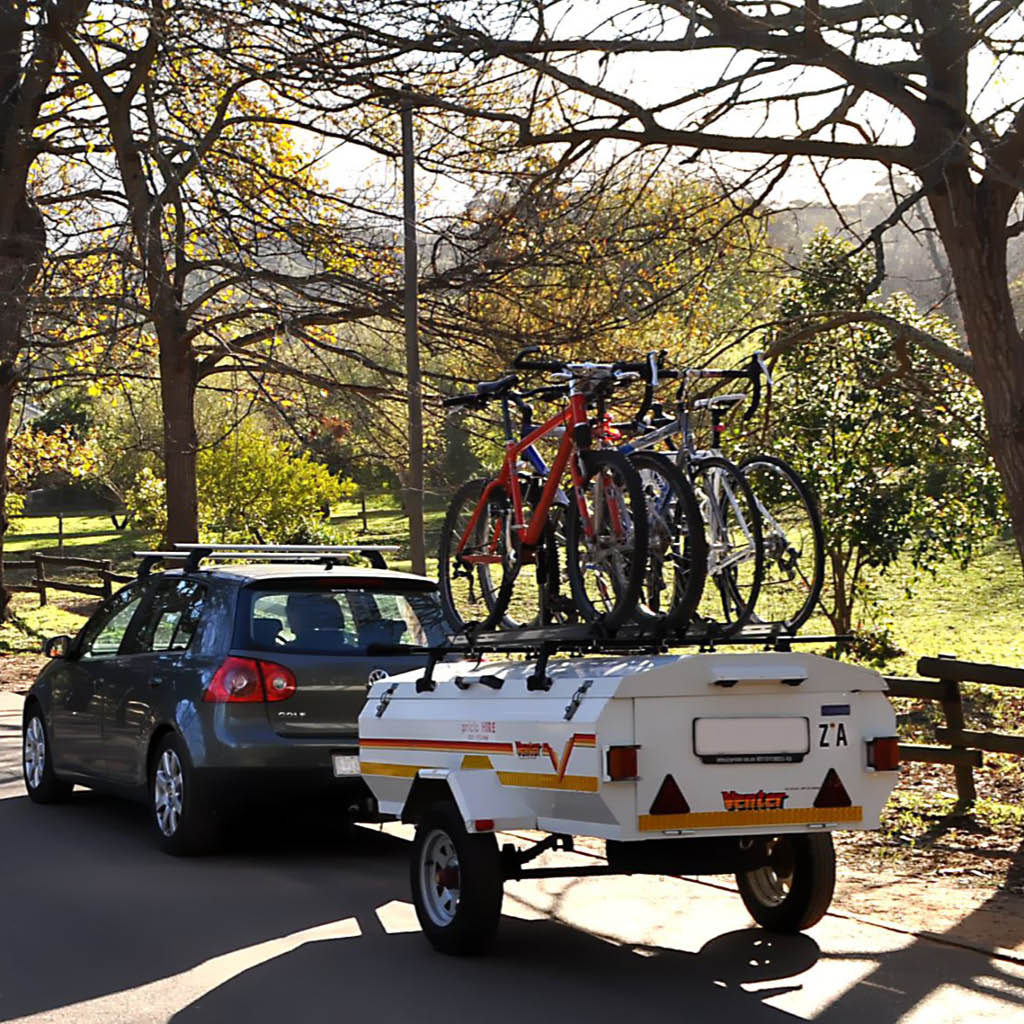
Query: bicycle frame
point(575, 415)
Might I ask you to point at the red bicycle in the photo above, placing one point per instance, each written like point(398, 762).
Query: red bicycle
point(495, 529)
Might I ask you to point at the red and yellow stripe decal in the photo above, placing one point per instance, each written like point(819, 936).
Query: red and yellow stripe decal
point(744, 819)
point(476, 751)
point(445, 746)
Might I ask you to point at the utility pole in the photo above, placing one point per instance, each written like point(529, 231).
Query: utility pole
point(414, 478)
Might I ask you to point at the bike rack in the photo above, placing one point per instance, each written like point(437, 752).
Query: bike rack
point(540, 643)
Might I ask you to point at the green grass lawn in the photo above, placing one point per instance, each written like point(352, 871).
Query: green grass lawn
point(975, 613)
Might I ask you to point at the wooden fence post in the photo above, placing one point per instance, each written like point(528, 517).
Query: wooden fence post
point(40, 577)
point(366, 525)
point(953, 709)
point(60, 533)
point(105, 576)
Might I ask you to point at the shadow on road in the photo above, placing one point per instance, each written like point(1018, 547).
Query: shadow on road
point(90, 909)
point(97, 911)
point(539, 970)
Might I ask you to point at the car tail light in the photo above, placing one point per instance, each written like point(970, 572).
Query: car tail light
point(621, 763)
point(884, 754)
point(278, 681)
point(248, 681)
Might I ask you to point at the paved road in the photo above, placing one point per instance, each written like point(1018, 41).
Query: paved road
point(297, 926)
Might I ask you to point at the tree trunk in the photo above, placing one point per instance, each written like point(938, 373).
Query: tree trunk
point(8, 384)
point(22, 245)
point(178, 379)
point(971, 219)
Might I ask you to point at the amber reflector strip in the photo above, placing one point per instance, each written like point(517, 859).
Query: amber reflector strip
point(833, 792)
point(670, 799)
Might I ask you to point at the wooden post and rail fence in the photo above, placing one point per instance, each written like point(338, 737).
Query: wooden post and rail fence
point(41, 581)
point(962, 747)
point(941, 681)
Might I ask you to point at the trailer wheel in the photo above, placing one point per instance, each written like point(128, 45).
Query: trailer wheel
point(457, 884)
point(795, 889)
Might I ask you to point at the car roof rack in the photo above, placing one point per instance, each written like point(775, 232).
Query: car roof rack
point(540, 643)
point(328, 555)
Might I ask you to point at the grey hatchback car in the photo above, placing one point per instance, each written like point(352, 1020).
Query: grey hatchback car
point(194, 690)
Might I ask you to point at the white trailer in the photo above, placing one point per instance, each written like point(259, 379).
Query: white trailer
point(704, 763)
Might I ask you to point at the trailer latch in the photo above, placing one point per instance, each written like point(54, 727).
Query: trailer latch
point(573, 706)
point(385, 699)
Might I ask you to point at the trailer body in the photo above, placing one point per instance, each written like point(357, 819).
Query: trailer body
point(722, 744)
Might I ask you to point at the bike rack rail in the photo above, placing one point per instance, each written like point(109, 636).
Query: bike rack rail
point(540, 643)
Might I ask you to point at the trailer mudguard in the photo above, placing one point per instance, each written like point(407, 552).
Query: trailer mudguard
point(484, 804)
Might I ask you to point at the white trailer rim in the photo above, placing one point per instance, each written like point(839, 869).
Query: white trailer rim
point(439, 877)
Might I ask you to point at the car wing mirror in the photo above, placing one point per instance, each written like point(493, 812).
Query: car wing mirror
point(57, 646)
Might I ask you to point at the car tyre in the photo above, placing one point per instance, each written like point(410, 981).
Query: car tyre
point(181, 812)
point(795, 889)
point(41, 781)
point(457, 883)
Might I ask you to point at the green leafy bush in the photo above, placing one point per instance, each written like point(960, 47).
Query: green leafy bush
point(251, 489)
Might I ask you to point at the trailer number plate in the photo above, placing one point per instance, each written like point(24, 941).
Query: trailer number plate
point(751, 740)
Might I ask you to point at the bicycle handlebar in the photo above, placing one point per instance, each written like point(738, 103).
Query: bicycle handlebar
point(460, 401)
point(522, 363)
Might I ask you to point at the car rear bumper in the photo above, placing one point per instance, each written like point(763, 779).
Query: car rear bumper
point(245, 785)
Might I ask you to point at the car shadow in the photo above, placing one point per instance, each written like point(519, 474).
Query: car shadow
point(97, 909)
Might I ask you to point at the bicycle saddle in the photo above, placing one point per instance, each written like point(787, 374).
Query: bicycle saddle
point(719, 402)
point(496, 387)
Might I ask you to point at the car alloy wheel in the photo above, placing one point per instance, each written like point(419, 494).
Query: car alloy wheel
point(168, 790)
point(35, 753)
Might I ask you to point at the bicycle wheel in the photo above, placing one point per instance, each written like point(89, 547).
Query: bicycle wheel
point(677, 550)
point(735, 545)
point(794, 546)
point(473, 563)
point(607, 549)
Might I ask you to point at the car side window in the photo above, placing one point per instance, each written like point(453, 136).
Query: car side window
point(172, 618)
point(104, 633)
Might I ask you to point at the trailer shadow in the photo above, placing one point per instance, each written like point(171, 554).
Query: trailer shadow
point(539, 969)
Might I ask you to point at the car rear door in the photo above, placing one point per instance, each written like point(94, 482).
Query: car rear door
point(335, 641)
point(78, 689)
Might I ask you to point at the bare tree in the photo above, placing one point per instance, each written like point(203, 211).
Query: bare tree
point(930, 87)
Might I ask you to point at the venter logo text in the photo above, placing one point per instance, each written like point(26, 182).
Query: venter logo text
point(759, 801)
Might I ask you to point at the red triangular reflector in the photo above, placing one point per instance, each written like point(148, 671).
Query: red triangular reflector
point(670, 799)
point(833, 792)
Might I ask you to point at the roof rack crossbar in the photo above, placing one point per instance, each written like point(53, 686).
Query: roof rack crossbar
point(374, 552)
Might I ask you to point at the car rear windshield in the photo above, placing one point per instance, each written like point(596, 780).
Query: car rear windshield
point(342, 620)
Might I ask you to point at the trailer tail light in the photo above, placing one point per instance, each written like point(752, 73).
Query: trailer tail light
point(621, 763)
point(670, 799)
point(833, 792)
point(248, 681)
point(884, 754)
point(483, 825)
